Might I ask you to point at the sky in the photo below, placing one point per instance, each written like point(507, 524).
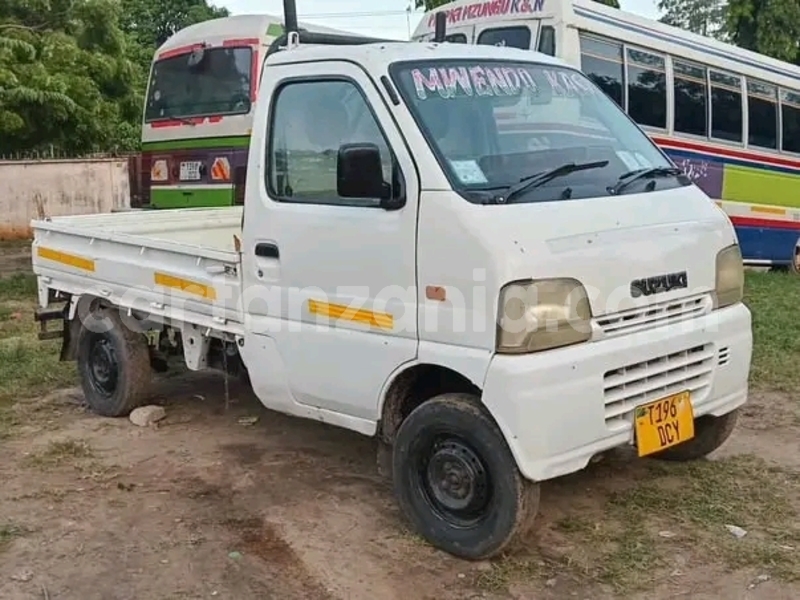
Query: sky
point(390, 19)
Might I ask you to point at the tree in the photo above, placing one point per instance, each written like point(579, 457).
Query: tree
point(771, 27)
point(152, 22)
point(704, 17)
point(73, 72)
point(65, 81)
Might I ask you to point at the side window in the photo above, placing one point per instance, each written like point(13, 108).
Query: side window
point(790, 115)
point(601, 61)
point(762, 115)
point(456, 38)
point(647, 88)
point(691, 109)
point(515, 37)
point(726, 107)
point(310, 121)
point(547, 40)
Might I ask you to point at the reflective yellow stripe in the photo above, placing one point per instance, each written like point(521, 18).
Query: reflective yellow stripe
point(357, 315)
point(185, 285)
point(770, 210)
point(72, 260)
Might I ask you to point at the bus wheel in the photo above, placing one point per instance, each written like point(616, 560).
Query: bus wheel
point(456, 480)
point(114, 365)
point(795, 266)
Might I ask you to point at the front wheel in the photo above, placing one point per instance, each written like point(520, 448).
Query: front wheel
point(456, 480)
point(710, 433)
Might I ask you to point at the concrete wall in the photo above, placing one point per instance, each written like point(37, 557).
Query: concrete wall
point(61, 187)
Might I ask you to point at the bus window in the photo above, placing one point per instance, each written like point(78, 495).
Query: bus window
point(762, 115)
point(547, 40)
point(726, 107)
point(790, 113)
point(647, 88)
point(456, 38)
point(691, 108)
point(515, 37)
point(218, 84)
point(602, 62)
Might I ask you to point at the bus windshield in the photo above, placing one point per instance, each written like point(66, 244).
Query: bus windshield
point(214, 82)
point(495, 124)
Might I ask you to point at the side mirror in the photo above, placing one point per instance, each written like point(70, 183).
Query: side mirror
point(359, 173)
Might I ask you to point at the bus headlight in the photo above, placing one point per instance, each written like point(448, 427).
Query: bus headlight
point(542, 314)
point(729, 287)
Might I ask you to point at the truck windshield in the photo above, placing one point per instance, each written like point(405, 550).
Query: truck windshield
point(184, 86)
point(493, 124)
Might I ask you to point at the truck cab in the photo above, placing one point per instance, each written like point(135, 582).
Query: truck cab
point(468, 252)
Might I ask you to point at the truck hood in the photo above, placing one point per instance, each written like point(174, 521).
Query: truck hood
point(615, 246)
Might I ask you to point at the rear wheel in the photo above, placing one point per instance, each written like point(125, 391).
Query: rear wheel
point(456, 480)
point(710, 433)
point(114, 365)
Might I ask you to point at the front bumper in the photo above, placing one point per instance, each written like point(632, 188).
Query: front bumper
point(559, 408)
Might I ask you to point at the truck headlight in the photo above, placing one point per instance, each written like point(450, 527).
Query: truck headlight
point(542, 314)
point(730, 277)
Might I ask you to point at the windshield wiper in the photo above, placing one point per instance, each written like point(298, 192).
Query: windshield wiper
point(627, 178)
point(537, 179)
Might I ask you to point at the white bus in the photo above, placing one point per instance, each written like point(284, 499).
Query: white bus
point(730, 118)
point(198, 110)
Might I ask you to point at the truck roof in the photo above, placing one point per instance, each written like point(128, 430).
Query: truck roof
point(380, 55)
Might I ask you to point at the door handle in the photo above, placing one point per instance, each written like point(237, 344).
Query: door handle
point(267, 250)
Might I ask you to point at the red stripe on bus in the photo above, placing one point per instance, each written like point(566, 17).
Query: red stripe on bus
point(765, 223)
point(706, 149)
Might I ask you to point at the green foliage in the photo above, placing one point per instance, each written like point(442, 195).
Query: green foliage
point(771, 27)
point(705, 17)
point(73, 72)
point(152, 22)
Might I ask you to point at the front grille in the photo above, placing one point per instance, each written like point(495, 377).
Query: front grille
point(654, 315)
point(627, 387)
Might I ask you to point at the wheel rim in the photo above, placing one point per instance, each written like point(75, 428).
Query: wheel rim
point(103, 368)
point(796, 262)
point(454, 481)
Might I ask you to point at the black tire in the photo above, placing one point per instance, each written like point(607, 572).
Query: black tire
point(452, 436)
point(794, 267)
point(114, 365)
point(709, 434)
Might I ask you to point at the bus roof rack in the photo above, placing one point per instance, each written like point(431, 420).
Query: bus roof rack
point(292, 30)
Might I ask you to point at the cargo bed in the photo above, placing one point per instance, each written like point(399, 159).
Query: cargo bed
point(182, 260)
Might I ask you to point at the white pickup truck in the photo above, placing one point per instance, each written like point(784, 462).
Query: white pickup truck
point(469, 252)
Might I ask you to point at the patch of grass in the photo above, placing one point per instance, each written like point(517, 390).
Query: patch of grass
point(59, 452)
point(29, 368)
point(19, 286)
point(9, 532)
point(773, 300)
point(672, 509)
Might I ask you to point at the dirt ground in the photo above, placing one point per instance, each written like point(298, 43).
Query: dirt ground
point(209, 504)
point(206, 505)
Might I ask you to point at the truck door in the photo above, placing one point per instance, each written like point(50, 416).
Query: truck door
point(329, 282)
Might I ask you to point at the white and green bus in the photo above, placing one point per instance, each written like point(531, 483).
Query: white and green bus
point(199, 108)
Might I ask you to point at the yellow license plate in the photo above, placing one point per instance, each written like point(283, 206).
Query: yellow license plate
point(664, 423)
